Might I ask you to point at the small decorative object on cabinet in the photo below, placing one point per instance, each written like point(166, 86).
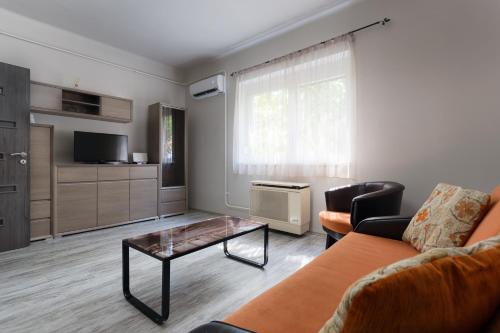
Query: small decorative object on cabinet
point(167, 146)
point(139, 158)
point(59, 101)
point(41, 170)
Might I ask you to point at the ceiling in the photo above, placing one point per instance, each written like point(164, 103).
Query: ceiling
point(178, 33)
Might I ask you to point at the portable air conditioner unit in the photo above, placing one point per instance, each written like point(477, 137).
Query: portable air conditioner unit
point(211, 86)
point(285, 206)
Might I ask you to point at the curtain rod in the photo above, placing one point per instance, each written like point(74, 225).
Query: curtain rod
point(382, 22)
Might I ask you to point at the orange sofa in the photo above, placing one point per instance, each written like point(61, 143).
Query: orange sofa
point(306, 300)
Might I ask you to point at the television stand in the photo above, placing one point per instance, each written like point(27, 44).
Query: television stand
point(93, 196)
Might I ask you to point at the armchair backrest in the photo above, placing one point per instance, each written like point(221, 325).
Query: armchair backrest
point(339, 199)
point(378, 199)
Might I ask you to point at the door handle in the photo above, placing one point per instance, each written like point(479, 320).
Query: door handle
point(21, 154)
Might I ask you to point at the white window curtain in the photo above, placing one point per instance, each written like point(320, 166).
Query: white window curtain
point(296, 116)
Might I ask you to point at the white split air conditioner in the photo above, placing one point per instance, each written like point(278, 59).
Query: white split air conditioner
point(209, 87)
point(284, 206)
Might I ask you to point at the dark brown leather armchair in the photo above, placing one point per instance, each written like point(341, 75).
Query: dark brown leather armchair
point(347, 206)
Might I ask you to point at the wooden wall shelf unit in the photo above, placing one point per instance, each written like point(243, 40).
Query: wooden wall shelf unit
point(94, 196)
point(67, 102)
point(41, 169)
point(167, 146)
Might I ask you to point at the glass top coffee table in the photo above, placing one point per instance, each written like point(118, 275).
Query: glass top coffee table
point(169, 244)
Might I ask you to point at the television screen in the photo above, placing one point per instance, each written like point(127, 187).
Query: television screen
point(100, 147)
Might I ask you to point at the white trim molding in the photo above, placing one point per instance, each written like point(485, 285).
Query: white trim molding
point(88, 57)
point(289, 25)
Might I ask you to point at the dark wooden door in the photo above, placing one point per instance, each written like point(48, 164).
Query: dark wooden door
point(14, 149)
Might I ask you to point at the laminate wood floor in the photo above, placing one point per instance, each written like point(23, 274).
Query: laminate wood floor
point(73, 283)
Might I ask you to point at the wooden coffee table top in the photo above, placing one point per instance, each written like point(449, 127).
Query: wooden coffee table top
point(176, 242)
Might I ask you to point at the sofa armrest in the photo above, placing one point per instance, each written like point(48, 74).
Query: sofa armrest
point(391, 227)
point(219, 327)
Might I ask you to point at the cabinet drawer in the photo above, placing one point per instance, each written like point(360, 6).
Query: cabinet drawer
point(174, 207)
point(144, 172)
point(175, 194)
point(40, 228)
point(113, 202)
point(76, 174)
point(40, 209)
point(116, 108)
point(143, 199)
point(76, 206)
point(113, 173)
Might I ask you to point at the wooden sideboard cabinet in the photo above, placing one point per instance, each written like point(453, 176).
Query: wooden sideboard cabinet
point(41, 161)
point(96, 196)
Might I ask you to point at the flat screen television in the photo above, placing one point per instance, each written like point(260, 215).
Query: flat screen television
point(100, 148)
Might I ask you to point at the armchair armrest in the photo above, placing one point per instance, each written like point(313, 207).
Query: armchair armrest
point(339, 199)
point(391, 227)
point(219, 327)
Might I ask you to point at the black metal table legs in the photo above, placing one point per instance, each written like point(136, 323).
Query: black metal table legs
point(165, 290)
point(165, 284)
point(248, 261)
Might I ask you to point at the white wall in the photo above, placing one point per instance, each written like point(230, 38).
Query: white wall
point(64, 69)
point(428, 100)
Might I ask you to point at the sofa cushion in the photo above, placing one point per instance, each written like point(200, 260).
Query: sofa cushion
point(447, 218)
point(441, 290)
point(490, 225)
point(305, 300)
point(336, 221)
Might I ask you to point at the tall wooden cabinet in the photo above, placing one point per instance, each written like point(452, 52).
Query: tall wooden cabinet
point(41, 161)
point(167, 146)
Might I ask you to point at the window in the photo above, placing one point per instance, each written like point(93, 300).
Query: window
point(295, 116)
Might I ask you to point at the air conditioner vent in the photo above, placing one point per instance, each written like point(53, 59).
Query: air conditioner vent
point(207, 92)
point(208, 87)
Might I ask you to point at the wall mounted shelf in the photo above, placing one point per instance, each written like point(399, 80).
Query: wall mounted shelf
point(79, 102)
point(60, 101)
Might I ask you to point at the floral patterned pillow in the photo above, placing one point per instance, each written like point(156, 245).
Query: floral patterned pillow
point(447, 218)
